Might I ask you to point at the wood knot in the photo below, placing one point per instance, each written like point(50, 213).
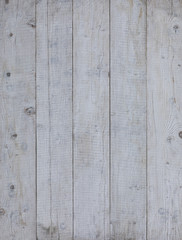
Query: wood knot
point(180, 134)
point(2, 211)
point(12, 187)
point(175, 27)
point(30, 111)
point(14, 136)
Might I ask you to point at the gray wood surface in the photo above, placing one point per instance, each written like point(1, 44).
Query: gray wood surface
point(164, 120)
point(54, 120)
point(90, 119)
point(128, 119)
point(17, 120)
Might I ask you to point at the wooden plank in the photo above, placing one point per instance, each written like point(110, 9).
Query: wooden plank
point(128, 120)
point(44, 226)
point(60, 75)
point(164, 120)
point(54, 89)
point(17, 128)
point(91, 119)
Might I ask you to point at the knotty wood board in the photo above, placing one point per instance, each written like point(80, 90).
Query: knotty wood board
point(18, 121)
point(164, 119)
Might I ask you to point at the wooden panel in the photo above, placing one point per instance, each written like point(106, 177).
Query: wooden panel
point(54, 95)
point(91, 131)
point(91, 119)
point(164, 120)
point(17, 128)
point(128, 119)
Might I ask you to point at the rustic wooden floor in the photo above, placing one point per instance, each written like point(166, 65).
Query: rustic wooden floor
point(91, 120)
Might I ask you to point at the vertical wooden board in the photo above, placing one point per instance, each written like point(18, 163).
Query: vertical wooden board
point(128, 120)
point(17, 128)
point(44, 227)
point(164, 119)
point(60, 98)
point(91, 119)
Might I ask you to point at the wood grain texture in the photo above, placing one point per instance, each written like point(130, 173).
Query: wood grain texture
point(90, 113)
point(164, 119)
point(17, 128)
point(44, 222)
point(91, 119)
point(54, 95)
point(128, 120)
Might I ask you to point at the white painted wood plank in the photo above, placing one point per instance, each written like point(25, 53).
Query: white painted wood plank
point(60, 74)
point(128, 120)
point(17, 128)
point(44, 227)
point(91, 119)
point(164, 120)
point(54, 95)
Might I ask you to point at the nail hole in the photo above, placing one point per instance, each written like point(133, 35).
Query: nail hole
point(8, 74)
point(11, 34)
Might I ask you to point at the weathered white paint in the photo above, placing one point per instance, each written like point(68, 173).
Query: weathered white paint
point(128, 119)
point(44, 221)
point(54, 119)
point(17, 120)
point(78, 147)
point(91, 119)
point(164, 119)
